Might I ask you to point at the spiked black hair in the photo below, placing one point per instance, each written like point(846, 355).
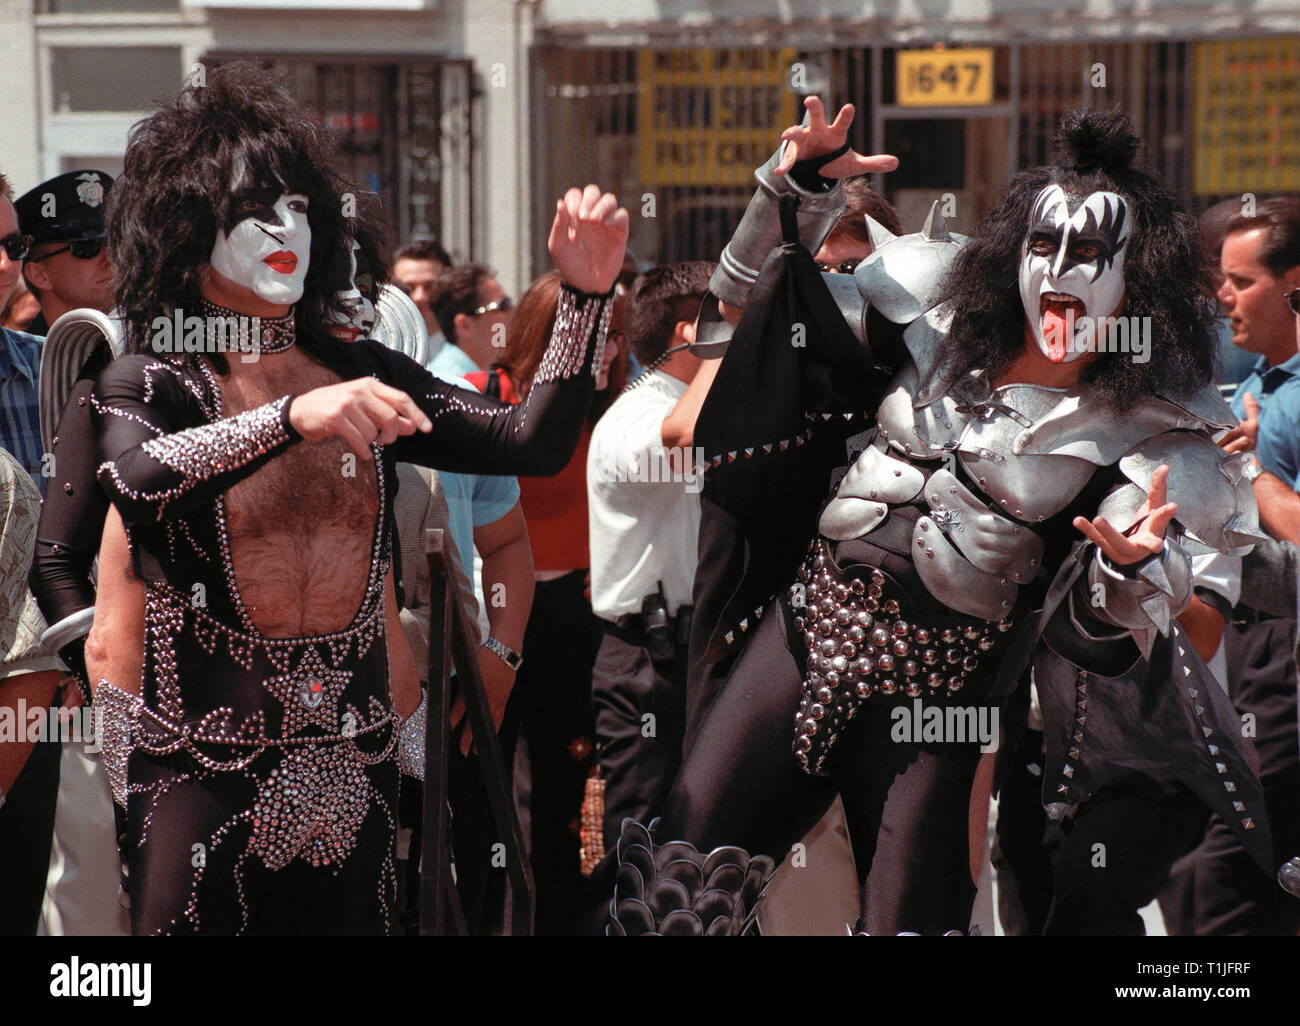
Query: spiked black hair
point(1167, 277)
point(181, 164)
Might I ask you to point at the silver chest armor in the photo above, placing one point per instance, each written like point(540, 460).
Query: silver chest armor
point(969, 556)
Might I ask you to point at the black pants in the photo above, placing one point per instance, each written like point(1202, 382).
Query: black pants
point(550, 707)
point(640, 706)
point(1230, 894)
point(721, 567)
point(1117, 855)
point(26, 831)
point(907, 803)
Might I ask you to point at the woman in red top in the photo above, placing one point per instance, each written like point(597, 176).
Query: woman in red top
point(550, 706)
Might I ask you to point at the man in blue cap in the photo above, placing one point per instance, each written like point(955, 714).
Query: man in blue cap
point(67, 267)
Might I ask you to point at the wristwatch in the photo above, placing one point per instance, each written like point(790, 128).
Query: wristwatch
point(508, 655)
point(1253, 470)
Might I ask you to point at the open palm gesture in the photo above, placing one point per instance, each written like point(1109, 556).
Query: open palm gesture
point(802, 142)
point(1146, 537)
point(588, 239)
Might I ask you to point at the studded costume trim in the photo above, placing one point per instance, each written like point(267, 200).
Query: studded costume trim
point(577, 317)
point(859, 644)
point(230, 331)
point(200, 453)
point(411, 740)
point(119, 714)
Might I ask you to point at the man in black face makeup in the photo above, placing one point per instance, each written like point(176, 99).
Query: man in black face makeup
point(258, 760)
point(1009, 507)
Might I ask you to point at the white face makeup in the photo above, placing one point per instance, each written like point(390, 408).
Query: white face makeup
point(267, 245)
point(356, 300)
point(1072, 269)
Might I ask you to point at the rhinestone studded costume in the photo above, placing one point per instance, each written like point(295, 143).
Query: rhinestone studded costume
point(261, 774)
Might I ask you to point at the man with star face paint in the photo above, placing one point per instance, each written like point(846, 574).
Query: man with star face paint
point(1023, 496)
point(257, 500)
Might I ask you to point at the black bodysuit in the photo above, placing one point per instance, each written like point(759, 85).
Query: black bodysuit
point(262, 777)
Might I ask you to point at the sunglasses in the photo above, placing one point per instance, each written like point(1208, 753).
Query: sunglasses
point(503, 304)
point(1293, 301)
point(843, 267)
point(16, 246)
point(82, 249)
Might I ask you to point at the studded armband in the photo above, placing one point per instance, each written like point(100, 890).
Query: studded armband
point(208, 453)
point(580, 319)
point(119, 715)
point(411, 740)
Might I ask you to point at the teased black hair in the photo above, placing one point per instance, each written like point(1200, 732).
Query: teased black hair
point(174, 191)
point(1167, 277)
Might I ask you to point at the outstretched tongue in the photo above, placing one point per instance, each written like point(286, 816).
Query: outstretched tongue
point(1058, 327)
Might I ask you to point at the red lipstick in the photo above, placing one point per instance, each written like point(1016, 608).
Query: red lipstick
point(281, 260)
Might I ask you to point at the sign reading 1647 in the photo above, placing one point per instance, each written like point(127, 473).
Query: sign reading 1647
point(945, 78)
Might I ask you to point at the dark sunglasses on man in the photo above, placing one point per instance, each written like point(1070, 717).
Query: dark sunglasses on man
point(1293, 301)
point(82, 249)
point(16, 246)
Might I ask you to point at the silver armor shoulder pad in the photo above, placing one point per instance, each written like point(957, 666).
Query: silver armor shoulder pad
point(398, 324)
point(925, 338)
point(69, 344)
point(1215, 503)
point(850, 302)
point(1078, 427)
point(901, 278)
point(760, 230)
point(1205, 405)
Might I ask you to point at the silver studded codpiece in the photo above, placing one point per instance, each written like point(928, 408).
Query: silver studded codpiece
point(860, 643)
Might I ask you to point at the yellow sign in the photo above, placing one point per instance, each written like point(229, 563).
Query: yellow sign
point(709, 117)
point(1247, 117)
point(944, 78)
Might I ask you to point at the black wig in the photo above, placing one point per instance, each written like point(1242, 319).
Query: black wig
point(180, 168)
point(1167, 277)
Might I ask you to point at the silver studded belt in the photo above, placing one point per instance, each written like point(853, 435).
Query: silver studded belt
point(860, 642)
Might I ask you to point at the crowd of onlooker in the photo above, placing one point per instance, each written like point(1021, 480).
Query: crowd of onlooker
point(590, 575)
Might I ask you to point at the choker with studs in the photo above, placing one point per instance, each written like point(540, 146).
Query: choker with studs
point(230, 331)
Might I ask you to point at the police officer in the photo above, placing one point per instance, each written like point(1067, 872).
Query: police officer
point(67, 266)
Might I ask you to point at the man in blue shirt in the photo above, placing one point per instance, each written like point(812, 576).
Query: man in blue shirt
point(20, 353)
point(473, 311)
point(1260, 294)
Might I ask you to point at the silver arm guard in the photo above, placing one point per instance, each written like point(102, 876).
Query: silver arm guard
point(1150, 598)
point(760, 230)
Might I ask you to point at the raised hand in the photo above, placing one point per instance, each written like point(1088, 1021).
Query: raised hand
point(360, 411)
point(817, 138)
point(588, 239)
point(1146, 537)
point(1245, 434)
